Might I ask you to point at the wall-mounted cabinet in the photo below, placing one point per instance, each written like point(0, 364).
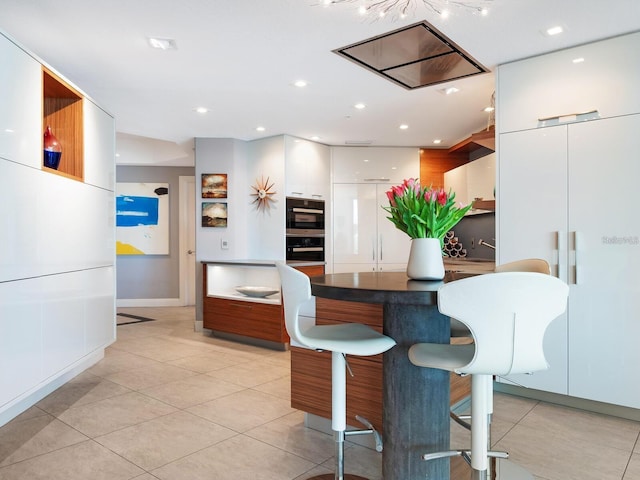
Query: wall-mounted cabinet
point(306, 169)
point(374, 164)
point(559, 85)
point(62, 111)
point(435, 162)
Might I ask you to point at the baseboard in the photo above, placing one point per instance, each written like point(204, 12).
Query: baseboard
point(28, 399)
point(568, 401)
point(148, 302)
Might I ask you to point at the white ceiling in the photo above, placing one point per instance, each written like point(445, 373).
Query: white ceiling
point(239, 58)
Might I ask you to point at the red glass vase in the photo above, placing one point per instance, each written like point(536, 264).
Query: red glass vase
point(52, 150)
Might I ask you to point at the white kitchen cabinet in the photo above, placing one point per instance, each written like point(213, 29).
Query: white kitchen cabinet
point(306, 169)
point(57, 289)
point(559, 84)
point(21, 107)
point(473, 180)
point(99, 147)
point(364, 239)
point(374, 164)
point(567, 195)
point(531, 219)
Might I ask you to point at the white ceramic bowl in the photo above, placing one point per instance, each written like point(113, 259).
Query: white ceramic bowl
point(258, 292)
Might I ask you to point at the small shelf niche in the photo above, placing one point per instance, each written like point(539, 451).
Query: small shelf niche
point(62, 109)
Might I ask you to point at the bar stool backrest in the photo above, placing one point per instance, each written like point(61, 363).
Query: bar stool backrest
point(296, 290)
point(527, 265)
point(507, 314)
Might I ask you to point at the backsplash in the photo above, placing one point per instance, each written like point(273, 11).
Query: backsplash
point(473, 228)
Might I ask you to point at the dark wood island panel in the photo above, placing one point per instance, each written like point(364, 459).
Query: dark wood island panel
point(311, 370)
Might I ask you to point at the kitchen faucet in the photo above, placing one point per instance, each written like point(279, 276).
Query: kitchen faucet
point(482, 242)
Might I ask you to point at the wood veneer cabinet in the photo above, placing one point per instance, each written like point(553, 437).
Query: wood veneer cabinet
point(62, 110)
point(226, 311)
point(311, 370)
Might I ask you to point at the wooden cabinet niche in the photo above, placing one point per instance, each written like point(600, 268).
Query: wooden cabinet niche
point(62, 110)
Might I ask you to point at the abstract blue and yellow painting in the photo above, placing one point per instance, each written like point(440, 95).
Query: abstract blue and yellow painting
point(142, 218)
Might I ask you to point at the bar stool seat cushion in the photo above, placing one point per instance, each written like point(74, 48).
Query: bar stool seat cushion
point(349, 338)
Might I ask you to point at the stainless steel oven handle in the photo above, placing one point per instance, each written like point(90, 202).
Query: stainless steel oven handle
point(307, 249)
point(307, 210)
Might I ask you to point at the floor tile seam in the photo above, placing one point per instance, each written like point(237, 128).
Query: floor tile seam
point(493, 439)
point(86, 439)
point(235, 434)
point(254, 388)
point(589, 443)
point(16, 421)
point(631, 458)
point(82, 405)
point(246, 434)
point(592, 433)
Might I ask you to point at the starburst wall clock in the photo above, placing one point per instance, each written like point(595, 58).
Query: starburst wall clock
point(263, 193)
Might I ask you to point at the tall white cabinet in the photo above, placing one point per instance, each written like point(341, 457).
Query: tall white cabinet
point(567, 194)
point(57, 279)
point(364, 239)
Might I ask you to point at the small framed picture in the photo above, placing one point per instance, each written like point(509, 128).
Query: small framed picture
point(214, 185)
point(214, 214)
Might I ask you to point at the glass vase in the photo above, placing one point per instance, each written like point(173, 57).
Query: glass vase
point(52, 150)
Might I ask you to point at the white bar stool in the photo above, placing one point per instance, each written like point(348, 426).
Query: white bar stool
point(507, 314)
point(340, 340)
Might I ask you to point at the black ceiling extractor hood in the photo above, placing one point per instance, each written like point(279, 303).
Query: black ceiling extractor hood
point(414, 56)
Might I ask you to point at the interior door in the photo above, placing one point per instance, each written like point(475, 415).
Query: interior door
point(187, 240)
point(604, 229)
point(532, 222)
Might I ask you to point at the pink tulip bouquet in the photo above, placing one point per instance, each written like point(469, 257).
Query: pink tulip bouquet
point(423, 212)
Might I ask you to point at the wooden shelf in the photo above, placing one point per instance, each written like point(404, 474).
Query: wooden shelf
point(477, 142)
point(484, 205)
point(62, 110)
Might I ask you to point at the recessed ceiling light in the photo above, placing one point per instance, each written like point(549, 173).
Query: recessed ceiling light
point(260, 129)
point(201, 109)
point(554, 30)
point(449, 90)
point(315, 138)
point(578, 60)
point(359, 106)
point(404, 126)
point(162, 43)
point(437, 141)
point(300, 83)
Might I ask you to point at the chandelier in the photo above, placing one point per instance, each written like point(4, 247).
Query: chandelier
point(401, 8)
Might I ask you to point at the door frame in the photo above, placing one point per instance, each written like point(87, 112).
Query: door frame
point(187, 224)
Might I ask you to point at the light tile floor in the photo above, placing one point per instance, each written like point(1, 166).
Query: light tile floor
point(169, 403)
